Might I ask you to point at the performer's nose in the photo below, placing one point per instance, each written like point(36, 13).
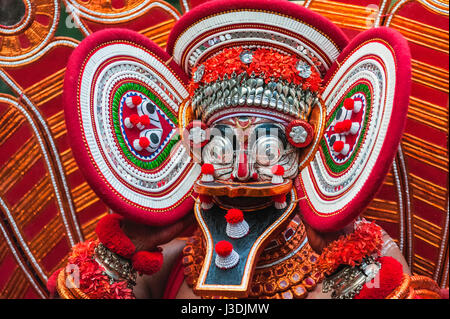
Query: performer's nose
point(242, 173)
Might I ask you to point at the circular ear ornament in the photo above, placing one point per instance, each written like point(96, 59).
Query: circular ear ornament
point(366, 97)
point(299, 133)
point(122, 95)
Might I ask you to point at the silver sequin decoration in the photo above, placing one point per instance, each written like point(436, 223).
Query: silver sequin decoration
point(298, 134)
point(246, 57)
point(304, 69)
point(198, 75)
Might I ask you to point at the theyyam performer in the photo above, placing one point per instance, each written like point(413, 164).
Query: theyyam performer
point(261, 131)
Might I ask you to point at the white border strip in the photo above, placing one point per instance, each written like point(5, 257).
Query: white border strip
point(19, 262)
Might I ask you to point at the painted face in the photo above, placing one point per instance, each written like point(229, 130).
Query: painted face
point(245, 149)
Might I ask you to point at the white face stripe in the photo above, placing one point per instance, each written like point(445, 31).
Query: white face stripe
point(357, 175)
point(248, 16)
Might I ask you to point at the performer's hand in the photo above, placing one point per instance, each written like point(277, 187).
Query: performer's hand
point(146, 237)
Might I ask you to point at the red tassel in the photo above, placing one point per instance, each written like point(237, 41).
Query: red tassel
point(338, 146)
point(134, 119)
point(234, 216)
point(112, 236)
point(389, 277)
point(349, 103)
point(144, 120)
point(278, 170)
point(136, 100)
point(147, 262)
point(144, 142)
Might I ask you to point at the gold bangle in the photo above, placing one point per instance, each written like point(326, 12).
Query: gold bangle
point(427, 294)
point(402, 291)
point(68, 293)
point(422, 282)
point(77, 291)
point(61, 286)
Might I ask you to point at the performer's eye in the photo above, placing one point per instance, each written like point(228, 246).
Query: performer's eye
point(224, 131)
point(218, 151)
point(269, 129)
point(268, 150)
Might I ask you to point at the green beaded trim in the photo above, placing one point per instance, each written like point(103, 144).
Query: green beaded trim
point(156, 162)
point(338, 168)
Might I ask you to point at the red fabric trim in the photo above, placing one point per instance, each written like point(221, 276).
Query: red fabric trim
point(175, 280)
point(147, 262)
point(51, 282)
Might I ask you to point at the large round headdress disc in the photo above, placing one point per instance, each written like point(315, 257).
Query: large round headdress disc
point(279, 24)
point(121, 99)
point(366, 95)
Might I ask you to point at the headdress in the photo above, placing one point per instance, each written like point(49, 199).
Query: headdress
point(273, 59)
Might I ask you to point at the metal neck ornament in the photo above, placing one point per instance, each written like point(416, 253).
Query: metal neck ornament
point(347, 282)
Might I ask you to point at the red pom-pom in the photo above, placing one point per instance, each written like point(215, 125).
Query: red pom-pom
point(234, 216)
point(51, 282)
point(136, 100)
point(144, 142)
point(346, 125)
point(278, 170)
point(279, 198)
point(349, 103)
point(134, 119)
point(338, 127)
point(388, 278)
point(147, 262)
point(112, 236)
point(207, 169)
point(224, 248)
point(144, 119)
point(338, 146)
